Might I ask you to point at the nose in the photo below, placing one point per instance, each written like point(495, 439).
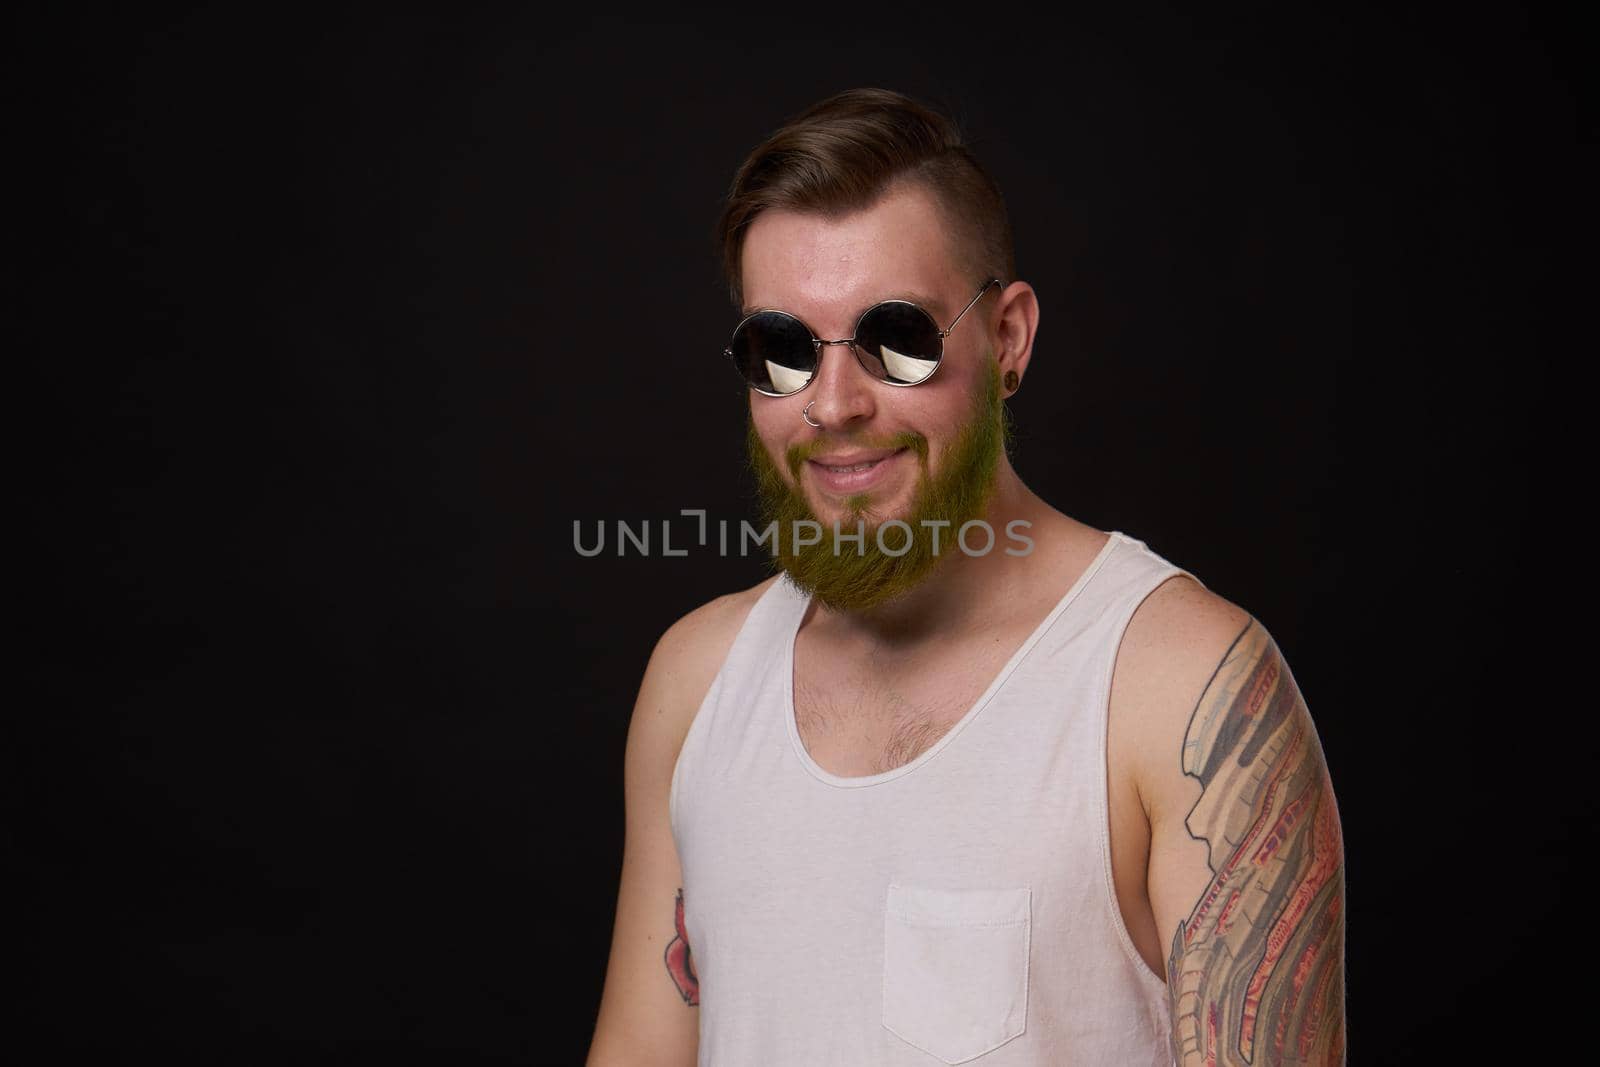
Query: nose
point(841, 394)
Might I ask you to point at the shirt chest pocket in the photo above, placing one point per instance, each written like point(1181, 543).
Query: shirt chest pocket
point(955, 968)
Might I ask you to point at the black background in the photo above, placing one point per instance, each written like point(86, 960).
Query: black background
point(335, 326)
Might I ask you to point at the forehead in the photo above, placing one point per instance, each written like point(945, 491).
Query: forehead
point(898, 247)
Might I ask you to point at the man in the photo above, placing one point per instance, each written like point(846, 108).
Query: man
point(914, 802)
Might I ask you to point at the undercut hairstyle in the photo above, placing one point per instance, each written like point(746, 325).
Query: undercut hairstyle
point(842, 155)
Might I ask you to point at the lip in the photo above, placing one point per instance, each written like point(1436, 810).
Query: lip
point(850, 459)
point(842, 482)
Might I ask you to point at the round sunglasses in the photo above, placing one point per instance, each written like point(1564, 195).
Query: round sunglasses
point(895, 341)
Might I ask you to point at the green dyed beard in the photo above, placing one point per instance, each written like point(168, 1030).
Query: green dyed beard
point(855, 578)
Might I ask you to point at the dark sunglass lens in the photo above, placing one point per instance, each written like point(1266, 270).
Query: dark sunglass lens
point(900, 342)
point(774, 352)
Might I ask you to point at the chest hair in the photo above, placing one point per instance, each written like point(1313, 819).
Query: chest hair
point(863, 717)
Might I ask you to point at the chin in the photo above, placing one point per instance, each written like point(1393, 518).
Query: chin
point(888, 499)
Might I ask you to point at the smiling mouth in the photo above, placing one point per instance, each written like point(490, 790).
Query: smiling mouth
point(846, 468)
point(850, 477)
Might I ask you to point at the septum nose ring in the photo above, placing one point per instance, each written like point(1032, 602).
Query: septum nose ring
point(806, 414)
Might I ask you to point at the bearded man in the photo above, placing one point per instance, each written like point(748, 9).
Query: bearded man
point(967, 780)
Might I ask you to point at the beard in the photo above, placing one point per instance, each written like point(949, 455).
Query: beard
point(863, 575)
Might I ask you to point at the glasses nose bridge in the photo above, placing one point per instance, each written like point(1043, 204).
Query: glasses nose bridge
point(841, 378)
point(849, 342)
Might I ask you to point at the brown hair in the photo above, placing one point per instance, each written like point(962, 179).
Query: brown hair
point(839, 156)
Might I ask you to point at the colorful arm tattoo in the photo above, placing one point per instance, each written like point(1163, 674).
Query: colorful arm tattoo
point(680, 964)
point(1256, 973)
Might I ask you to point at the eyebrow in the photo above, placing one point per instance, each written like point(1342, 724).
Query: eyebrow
point(932, 303)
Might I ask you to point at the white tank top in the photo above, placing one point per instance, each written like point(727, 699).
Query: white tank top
point(958, 908)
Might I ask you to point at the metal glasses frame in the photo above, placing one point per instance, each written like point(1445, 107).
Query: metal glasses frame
point(819, 344)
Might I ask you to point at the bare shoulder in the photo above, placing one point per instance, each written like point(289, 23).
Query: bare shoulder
point(1180, 630)
point(1191, 663)
point(700, 639)
point(1172, 649)
point(689, 653)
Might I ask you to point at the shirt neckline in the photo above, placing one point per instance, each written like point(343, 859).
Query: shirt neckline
point(859, 781)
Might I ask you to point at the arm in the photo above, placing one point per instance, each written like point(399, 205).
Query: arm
point(1246, 874)
point(649, 1010)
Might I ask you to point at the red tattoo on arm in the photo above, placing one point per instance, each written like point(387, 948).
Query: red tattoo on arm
point(1256, 973)
point(680, 963)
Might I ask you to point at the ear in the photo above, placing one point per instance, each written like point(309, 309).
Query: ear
point(1015, 323)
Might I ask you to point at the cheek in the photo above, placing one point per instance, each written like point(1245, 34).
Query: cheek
point(766, 426)
point(940, 419)
point(765, 441)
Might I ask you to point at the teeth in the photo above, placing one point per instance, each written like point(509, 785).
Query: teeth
point(857, 467)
